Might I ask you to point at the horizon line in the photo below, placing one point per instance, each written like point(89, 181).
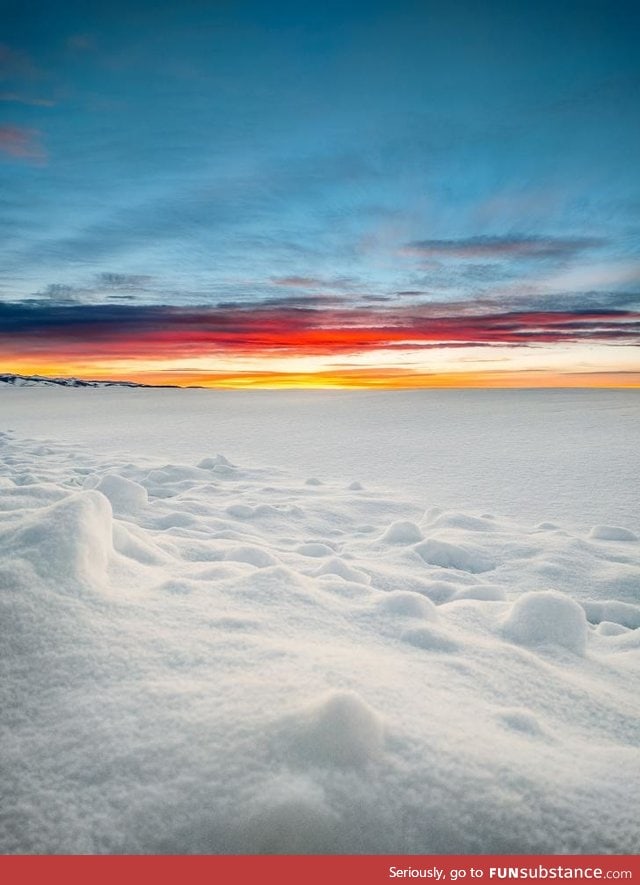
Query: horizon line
point(496, 380)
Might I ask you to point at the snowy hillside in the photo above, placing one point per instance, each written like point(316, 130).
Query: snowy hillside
point(41, 381)
point(213, 658)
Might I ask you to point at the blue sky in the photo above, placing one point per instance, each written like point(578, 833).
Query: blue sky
point(248, 153)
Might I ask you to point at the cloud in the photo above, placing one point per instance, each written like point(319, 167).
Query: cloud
point(59, 293)
point(21, 143)
point(105, 283)
point(596, 276)
point(497, 247)
point(110, 280)
point(296, 301)
point(301, 282)
point(298, 282)
point(33, 101)
point(152, 331)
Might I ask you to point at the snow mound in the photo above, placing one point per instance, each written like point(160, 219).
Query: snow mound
point(341, 730)
point(413, 605)
point(126, 496)
point(547, 618)
point(485, 592)
point(240, 511)
point(624, 613)
point(68, 543)
point(438, 591)
point(612, 533)
point(430, 639)
point(315, 548)
point(523, 721)
point(463, 521)
point(294, 818)
point(610, 628)
point(215, 463)
point(402, 532)
point(137, 546)
point(447, 555)
point(339, 567)
point(251, 555)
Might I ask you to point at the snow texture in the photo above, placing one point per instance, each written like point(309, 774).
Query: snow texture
point(125, 496)
point(566, 459)
point(547, 618)
point(200, 656)
point(612, 533)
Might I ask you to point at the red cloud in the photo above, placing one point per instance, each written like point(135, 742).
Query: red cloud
point(104, 331)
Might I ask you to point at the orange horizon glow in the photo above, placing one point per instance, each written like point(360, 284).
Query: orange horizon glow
point(346, 379)
point(267, 348)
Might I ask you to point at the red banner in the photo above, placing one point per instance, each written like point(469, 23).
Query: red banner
point(328, 870)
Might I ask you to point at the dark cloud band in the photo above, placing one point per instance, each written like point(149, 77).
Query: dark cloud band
point(515, 246)
point(144, 330)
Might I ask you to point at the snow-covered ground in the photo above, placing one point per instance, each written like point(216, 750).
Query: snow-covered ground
point(383, 623)
point(532, 455)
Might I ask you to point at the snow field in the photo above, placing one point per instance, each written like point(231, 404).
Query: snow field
point(564, 457)
point(214, 659)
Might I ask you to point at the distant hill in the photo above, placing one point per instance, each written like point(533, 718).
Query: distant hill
point(41, 381)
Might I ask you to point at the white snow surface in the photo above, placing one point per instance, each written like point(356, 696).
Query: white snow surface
point(203, 655)
point(570, 457)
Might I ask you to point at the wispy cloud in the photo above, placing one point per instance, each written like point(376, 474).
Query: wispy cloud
point(295, 301)
point(59, 293)
point(111, 280)
point(31, 100)
point(298, 282)
point(512, 246)
point(304, 282)
point(107, 284)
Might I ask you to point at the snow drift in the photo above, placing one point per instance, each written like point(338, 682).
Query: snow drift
point(215, 659)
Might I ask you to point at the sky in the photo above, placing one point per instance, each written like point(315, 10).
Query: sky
point(379, 194)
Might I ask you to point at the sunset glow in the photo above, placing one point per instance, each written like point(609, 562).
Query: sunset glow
point(195, 198)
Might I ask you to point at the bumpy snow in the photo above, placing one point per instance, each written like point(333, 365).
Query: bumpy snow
point(547, 618)
point(214, 658)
